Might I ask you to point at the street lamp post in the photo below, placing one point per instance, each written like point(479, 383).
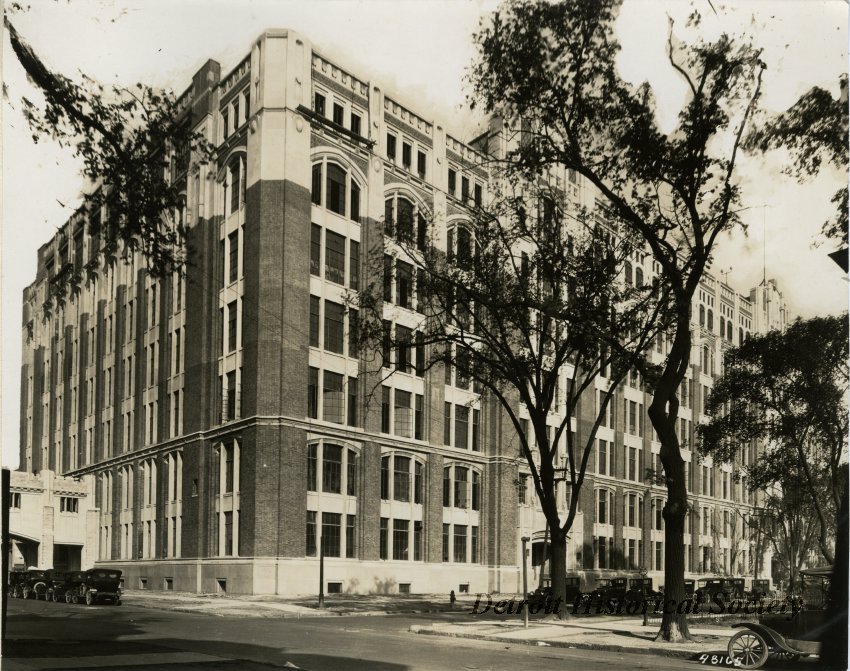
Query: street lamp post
point(525, 540)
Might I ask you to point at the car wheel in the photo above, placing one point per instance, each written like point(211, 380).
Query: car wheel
point(69, 597)
point(54, 596)
point(89, 598)
point(748, 649)
point(27, 593)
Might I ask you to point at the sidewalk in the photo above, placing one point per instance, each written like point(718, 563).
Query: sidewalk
point(304, 606)
point(597, 633)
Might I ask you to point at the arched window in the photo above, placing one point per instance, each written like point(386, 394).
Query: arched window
point(729, 331)
point(638, 277)
point(710, 320)
point(740, 336)
point(722, 327)
point(338, 191)
point(701, 315)
point(405, 221)
point(234, 184)
point(629, 273)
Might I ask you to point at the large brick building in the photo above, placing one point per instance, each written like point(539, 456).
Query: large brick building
point(225, 424)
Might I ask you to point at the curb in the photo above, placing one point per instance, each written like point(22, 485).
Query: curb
point(660, 652)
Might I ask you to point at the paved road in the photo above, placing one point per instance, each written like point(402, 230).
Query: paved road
point(60, 636)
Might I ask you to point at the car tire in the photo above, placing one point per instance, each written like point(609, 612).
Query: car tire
point(89, 598)
point(54, 596)
point(69, 597)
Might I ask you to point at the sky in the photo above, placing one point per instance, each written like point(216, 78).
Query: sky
point(420, 51)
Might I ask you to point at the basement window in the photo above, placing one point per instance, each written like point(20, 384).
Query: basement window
point(334, 588)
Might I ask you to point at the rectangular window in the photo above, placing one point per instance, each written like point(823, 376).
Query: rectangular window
point(406, 155)
point(418, 418)
point(476, 421)
point(314, 321)
point(350, 529)
point(228, 533)
point(233, 241)
point(313, 392)
point(447, 424)
point(419, 364)
point(351, 475)
point(232, 315)
point(401, 478)
point(402, 411)
point(386, 349)
point(319, 104)
point(385, 409)
point(384, 539)
point(391, 146)
point(476, 491)
point(332, 469)
point(452, 182)
point(447, 529)
point(315, 249)
point(311, 533)
point(355, 123)
point(403, 337)
point(420, 164)
point(479, 195)
point(353, 264)
point(404, 284)
point(417, 541)
point(447, 487)
point(331, 534)
point(353, 333)
point(334, 257)
point(385, 478)
point(418, 482)
point(461, 484)
point(231, 395)
point(401, 531)
point(460, 543)
point(388, 278)
point(334, 327)
point(474, 544)
point(462, 426)
point(464, 189)
point(312, 467)
point(339, 114)
point(333, 401)
point(352, 401)
point(15, 500)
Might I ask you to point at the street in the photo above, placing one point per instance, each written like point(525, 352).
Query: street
point(60, 636)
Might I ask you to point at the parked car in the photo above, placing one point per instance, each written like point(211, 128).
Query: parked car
point(573, 589)
point(65, 586)
point(610, 589)
point(689, 588)
point(33, 584)
point(640, 589)
point(708, 588)
point(760, 588)
point(100, 585)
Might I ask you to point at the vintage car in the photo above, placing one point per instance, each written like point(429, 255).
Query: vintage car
point(787, 637)
point(730, 588)
point(100, 585)
point(640, 589)
point(689, 588)
point(33, 584)
point(760, 588)
point(572, 588)
point(609, 589)
point(65, 586)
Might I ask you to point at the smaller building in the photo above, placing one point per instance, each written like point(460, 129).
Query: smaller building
point(52, 522)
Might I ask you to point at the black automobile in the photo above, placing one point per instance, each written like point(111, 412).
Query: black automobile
point(609, 590)
point(100, 585)
point(541, 594)
point(33, 584)
point(760, 588)
point(689, 588)
point(730, 588)
point(641, 589)
point(65, 586)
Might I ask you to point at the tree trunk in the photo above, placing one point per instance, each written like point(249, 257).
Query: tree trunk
point(558, 570)
point(674, 625)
